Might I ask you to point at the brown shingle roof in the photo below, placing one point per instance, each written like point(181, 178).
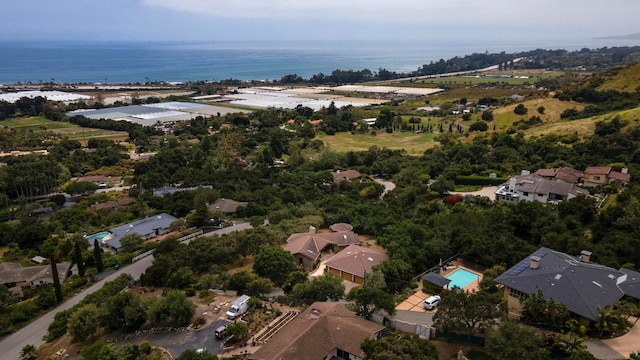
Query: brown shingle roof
point(341, 175)
point(546, 172)
point(569, 175)
point(310, 244)
point(356, 260)
point(597, 170)
point(618, 176)
point(113, 204)
point(341, 227)
point(316, 332)
point(226, 206)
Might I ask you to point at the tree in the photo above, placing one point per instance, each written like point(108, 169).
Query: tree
point(540, 109)
point(84, 322)
point(123, 310)
point(56, 280)
point(28, 352)
point(131, 242)
point(478, 126)
point(274, 263)
point(608, 320)
point(442, 186)
point(327, 287)
point(570, 343)
point(469, 313)
point(294, 278)
point(372, 296)
point(399, 348)
point(98, 351)
point(487, 283)
point(398, 274)
point(487, 115)
point(97, 254)
point(512, 341)
point(175, 306)
point(81, 187)
point(238, 330)
point(520, 109)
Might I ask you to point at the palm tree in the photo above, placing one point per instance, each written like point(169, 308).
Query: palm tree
point(571, 343)
point(28, 352)
point(608, 320)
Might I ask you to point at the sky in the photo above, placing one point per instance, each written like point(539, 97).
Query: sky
point(264, 20)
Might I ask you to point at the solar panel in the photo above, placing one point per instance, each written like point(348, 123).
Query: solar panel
point(523, 264)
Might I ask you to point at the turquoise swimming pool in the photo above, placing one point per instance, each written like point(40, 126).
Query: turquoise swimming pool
point(461, 278)
point(99, 236)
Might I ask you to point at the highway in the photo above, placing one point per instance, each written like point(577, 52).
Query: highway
point(33, 333)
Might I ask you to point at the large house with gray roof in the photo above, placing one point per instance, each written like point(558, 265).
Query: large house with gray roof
point(147, 228)
point(574, 281)
point(528, 187)
point(14, 275)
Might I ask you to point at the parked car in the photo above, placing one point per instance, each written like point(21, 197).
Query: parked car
point(221, 331)
point(431, 302)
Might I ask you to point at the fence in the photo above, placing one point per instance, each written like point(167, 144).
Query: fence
point(423, 331)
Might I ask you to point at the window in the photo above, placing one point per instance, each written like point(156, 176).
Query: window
point(342, 354)
point(525, 194)
point(541, 195)
point(517, 294)
point(596, 178)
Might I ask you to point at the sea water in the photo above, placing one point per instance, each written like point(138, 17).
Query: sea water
point(131, 62)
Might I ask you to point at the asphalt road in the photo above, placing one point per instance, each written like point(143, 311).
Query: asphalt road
point(34, 332)
point(178, 342)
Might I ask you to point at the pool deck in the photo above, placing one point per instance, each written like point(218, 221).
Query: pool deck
point(414, 302)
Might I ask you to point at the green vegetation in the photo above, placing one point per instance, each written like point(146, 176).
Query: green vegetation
point(284, 172)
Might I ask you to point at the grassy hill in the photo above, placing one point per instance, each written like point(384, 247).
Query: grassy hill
point(625, 79)
point(72, 131)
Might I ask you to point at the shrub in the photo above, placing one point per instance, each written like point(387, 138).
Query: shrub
point(479, 126)
point(520, 109)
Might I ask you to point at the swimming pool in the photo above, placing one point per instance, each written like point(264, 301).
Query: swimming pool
point(461, 278)
point(99, 236)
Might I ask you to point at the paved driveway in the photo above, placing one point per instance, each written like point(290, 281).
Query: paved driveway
point(178, 342)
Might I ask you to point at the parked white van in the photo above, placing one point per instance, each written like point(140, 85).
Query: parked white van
point(239, 307)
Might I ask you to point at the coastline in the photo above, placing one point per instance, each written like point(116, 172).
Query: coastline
point(76, 62)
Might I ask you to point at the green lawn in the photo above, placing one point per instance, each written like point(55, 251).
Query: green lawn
point(72, 131)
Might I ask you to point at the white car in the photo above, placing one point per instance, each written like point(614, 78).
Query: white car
point(431, 302)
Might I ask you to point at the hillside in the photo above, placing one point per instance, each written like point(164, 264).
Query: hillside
point(626, 79)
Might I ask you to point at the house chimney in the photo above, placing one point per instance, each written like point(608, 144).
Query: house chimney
point(312, 229)
point(585, 256)
point(625, 170)
point(525, 172)
point(512, 184)
point(534, 262)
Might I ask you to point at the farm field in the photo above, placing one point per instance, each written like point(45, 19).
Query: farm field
point(414, 144)
point(72, 131)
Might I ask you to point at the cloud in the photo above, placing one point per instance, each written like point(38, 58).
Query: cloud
point(463, 12)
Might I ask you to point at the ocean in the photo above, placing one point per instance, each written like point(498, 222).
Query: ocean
point(131, 62)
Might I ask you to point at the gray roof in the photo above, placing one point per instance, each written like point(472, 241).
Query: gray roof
point(539, 185)
point(581, 286)
point(226, 206)
point(436, 279)
point(631, 286)
point(142, 227)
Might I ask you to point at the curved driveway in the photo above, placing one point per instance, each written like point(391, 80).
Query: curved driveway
point(34, 332)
